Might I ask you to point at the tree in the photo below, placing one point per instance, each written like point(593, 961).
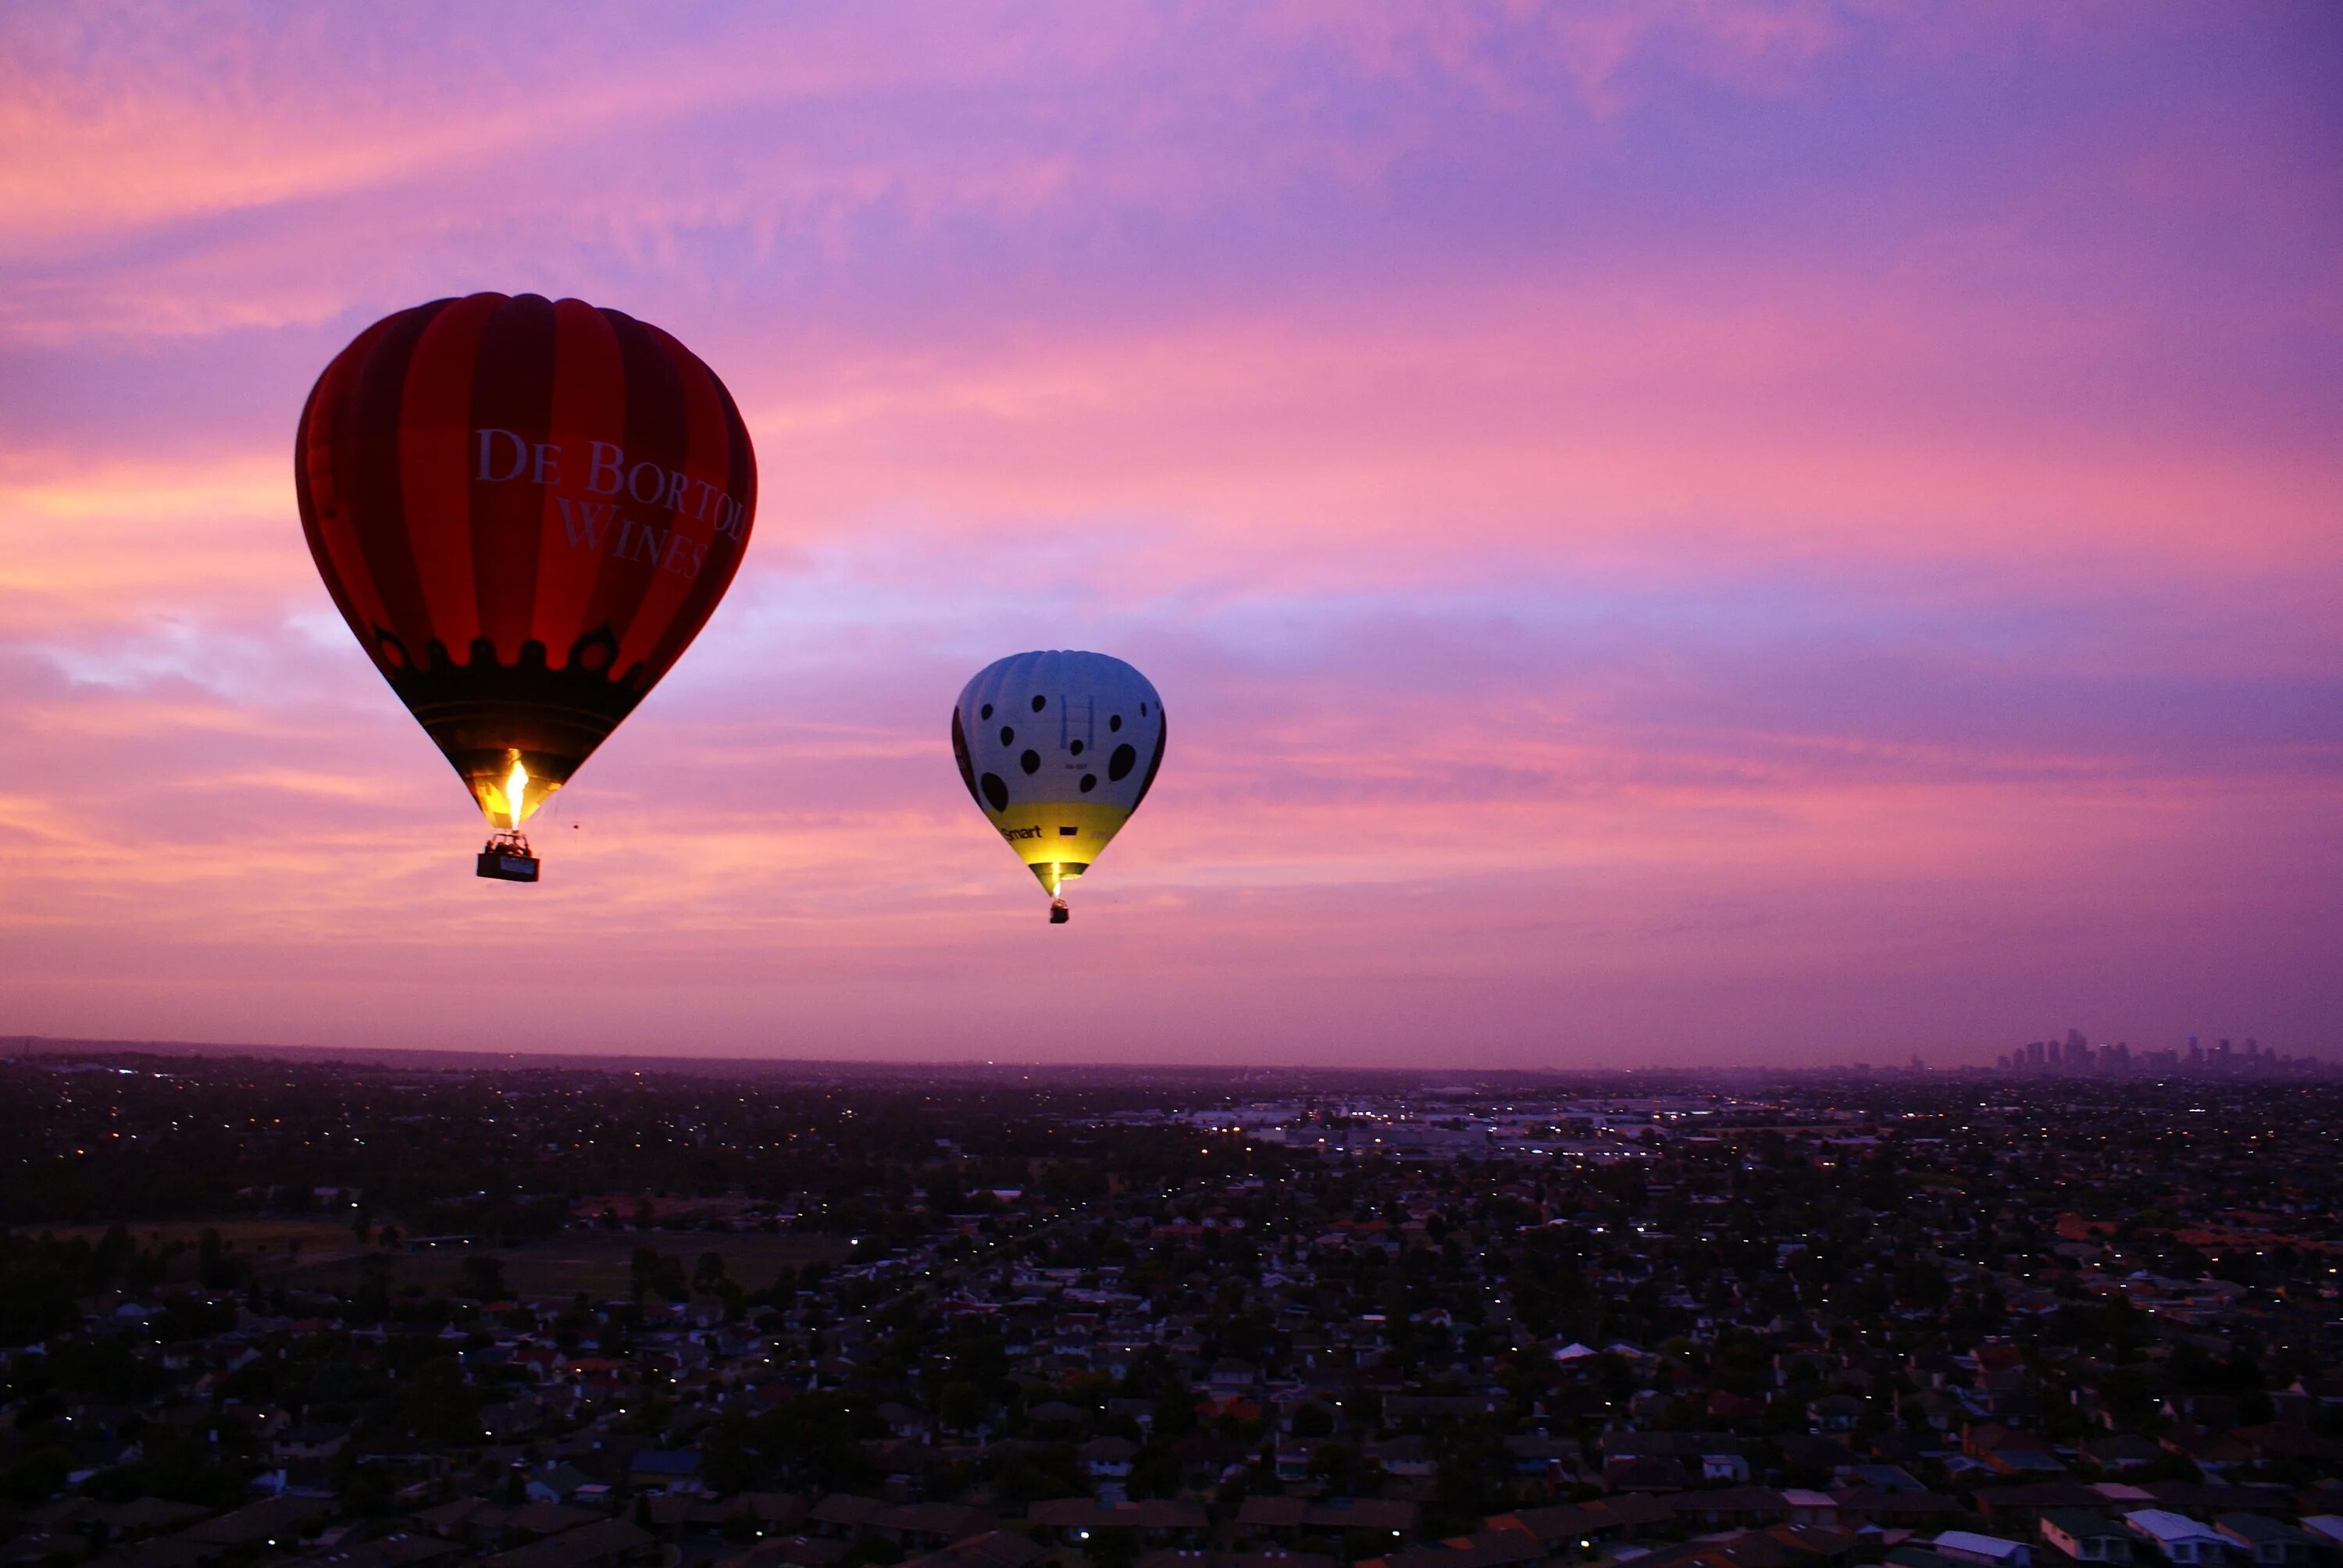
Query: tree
point(484, 1277)
point(959, 1405)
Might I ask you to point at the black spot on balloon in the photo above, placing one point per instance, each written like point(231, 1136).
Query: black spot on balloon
point(1008, 736)
point(1119, 766)
point(1115, 722)
point(1076, 749)
point(1142, 710)
point(1090, 782)
point(1031, 761)
point(986, 712)
point(995, 792)
point(1039, 703)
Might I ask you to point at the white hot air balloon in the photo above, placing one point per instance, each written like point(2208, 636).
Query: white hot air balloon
point(1057, 750)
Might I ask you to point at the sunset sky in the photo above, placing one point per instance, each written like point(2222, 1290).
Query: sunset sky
point(1720, 532)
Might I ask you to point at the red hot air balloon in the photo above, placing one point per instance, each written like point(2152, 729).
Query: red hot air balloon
point(526, 510)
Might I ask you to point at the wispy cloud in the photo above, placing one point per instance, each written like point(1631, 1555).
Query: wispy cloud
point(1704, 529)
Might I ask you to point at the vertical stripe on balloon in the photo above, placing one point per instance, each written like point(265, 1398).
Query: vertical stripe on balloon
point(690, 521)
point(575, 524)
point(325, 514)
point(366, 448)
point(739, 486)
point(512, 391)
point(655, 444)
point(435, 451)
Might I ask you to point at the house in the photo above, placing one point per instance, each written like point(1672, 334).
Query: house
point(2178, 1538)
point(2119, 1450)
point(1554, 1460)
point(2203, 1497)
point(1805, 1546)
point(1488, 1549)
point(1648, 1472)
point(1992, 1551)
point(2020, 1506)
point(1104, 1457)
point(1290, 1515)
point(674, 1512)
point(1072, 1520)
point(1898, 1507)
point(1910, 1556)
point(2264, 1543)
point(1398, 1519)
point(1731, 1507)
point(389, 1551)
point(258, 1525)
point(316, 1440)
point(1407, 1458)
point(556, 1482)
point(1264, 1514)
point(2086, 1536)
point(1834, 1412)
point(1229, 1378)
point(992, 1549)
point(1191, 1558)
point(481, 1522)
point(673, 1469)
point(2008, 1449)
point(587, 1546)
point(902, 1421)
point(510, 1419)
point(769, 1511)
point(1993, 1359)
point(929, 1527)
point(1577, 1527)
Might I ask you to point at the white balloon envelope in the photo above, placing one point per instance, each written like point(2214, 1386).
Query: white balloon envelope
point(1057, 750)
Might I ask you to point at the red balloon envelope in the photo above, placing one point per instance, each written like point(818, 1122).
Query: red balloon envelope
point(526, 510)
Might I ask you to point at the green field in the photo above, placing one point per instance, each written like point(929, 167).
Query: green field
point(598, 1262)
point(321, 1254)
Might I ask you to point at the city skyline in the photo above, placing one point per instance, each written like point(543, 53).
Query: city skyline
point(1723, 535)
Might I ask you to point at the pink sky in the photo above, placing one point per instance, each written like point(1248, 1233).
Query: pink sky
point(1668, 533)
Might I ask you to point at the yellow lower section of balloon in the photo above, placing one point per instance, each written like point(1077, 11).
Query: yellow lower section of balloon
point(510, 793)
point(1058, 842)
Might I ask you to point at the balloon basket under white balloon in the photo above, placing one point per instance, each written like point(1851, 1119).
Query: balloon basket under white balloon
point(506, 858)
point(1059, 913)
